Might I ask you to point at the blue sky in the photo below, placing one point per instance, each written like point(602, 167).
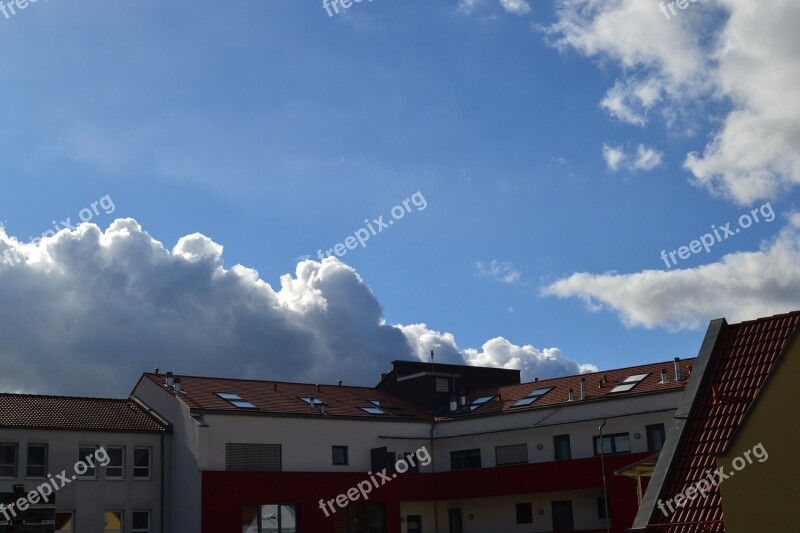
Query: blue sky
point(275, 130)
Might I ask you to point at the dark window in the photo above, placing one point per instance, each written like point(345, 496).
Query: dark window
point(562, 516)
point(86, 454)
point(414, 523)
point(64, 521)
point(358, 517)
point(381, 458)
point(413, 461)
point(511, 455)
point(141, 522)
point(37, 460)
point(656, 435)
point(339, 454)
point(563, 450)
point(461, 460)
point(524, 513)
point(601, 507)
point(252, 457)
point(115, 469)
point(454, 518)
point(141, 463)
point(8, 460)
point(618, 443)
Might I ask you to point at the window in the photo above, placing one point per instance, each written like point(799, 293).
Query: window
point(270, 518)
point(532, 396)
point(511, 455)
point(562, 516)
point(391, 408)
point(360, 517)
point(630, 382)
point(461, 460)
point(142, 463)
point(524, 513)
point(313, 402)
point(339, 455)
point(8, 460)
point(112, 522)
point(601, 508)
point(656, 436)
point(414, 523)
point(252, 457)
point(562, 448)
point(477, 402)
point(65, 521)
point(412, 461)
point(236, 400)
point(373, 410)
point(442, 385)
point(455, 520)
point(86, 455)
point(115, 469)
point(37, 460)
point(141, 522)
point(619, 443)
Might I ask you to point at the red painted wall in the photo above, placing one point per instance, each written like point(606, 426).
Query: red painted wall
point(225, 493)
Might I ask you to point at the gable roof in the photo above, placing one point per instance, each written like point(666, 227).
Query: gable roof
point(32, 411)
point(599, 385)
point(284, 398)
point(735, 360)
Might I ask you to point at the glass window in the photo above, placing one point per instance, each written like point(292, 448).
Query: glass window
point(112, 522)
point(269, 518)
point(86, 456)
point(116, 462)
point(37, 460)
point(563, 450)
point(141, 522)
point(414, 523)
point(511, 455)
point(618, 443)
point(532, 396)
point(630, 382)
point(524, 513)
point(656, 436)
point(8, 459)
point(65, 521)
point(236, 400)
point(464, 459)
point(339, 455)
point(141, 463)
point(250, 519)
point(373, 410)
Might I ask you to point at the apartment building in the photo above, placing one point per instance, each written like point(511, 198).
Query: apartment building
point(88, 465)
point(492, 454)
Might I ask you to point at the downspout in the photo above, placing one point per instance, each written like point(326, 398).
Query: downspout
point(163, 497)
point(433, 465)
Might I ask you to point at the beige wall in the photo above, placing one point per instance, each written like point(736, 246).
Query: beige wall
point(762, 495)
point(88, 499)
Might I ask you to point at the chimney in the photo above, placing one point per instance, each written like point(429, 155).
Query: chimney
point(317, 387)
point(322, 409)
point(599, 383)
point(690, 370)
point(678, 375)
point(664, 378)
point(170, 380)
point(462, 398)
point(570, 397)
point(156, 371)
point(453, 404)
point(275, 387)
point(605, 378)
point(583, 388)
point(535, 379)
point(340, 382)
point(177, 384)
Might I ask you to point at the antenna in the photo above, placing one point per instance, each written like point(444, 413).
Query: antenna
point(431, 356)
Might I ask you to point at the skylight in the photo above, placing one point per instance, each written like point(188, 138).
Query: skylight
point(313, 402)
point(236, 400)
point(532, 396)
point(477, 402)
point(629, 383)
point(383, 406)
point(373, 410)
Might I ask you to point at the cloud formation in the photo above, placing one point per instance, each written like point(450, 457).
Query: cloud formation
point(645, 158)
point(87, 311)
point(737, 53)
point(741, 286)
point(501, 271)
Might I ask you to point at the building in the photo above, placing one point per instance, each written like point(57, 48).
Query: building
point(465, 450)
point(730, 459)
point(87, 465)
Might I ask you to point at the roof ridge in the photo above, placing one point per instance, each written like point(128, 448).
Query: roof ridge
point(336, 385)
point(65, 397)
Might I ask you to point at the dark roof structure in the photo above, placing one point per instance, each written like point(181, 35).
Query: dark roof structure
point(68, 413)
point(732, 367)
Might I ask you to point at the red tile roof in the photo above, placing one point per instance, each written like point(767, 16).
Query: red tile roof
point(598, 386)
point(78, 414)
point(284, 398)
point(744, 355)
